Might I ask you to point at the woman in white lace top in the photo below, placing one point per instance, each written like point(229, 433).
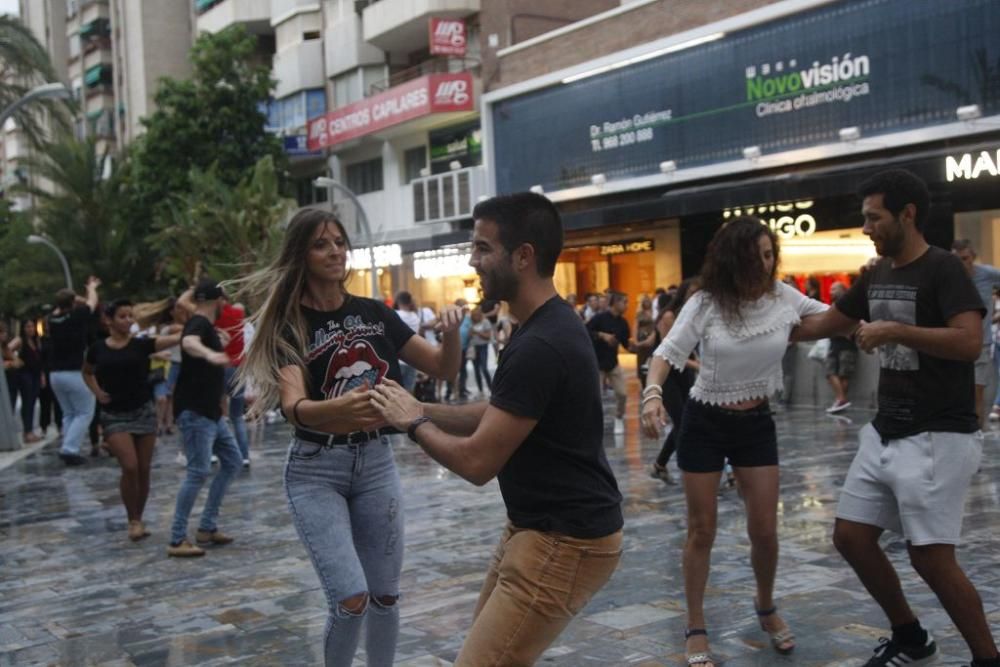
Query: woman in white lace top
point(741, 320)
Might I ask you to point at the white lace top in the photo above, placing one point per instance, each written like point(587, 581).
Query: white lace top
point(739, 360)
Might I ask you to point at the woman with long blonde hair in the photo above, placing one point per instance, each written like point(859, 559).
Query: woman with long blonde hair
point(317, 352)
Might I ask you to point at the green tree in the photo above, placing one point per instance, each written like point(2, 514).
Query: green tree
point(211, 118)
point(25, 64)
point(29, 274)
point(223, 230)
point(88, 212)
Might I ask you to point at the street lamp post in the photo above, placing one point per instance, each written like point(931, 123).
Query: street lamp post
point(35, 238)
point(8, 429)
point(44, 91)
point(332, 184)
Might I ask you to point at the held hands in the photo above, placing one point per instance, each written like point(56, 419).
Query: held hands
point(870, 335)
point(356, 402)
point(395, 405)
point(103, 397)
point(449, 319)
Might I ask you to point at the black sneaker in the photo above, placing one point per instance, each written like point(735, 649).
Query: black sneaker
point(891, 654)
point(72, 459)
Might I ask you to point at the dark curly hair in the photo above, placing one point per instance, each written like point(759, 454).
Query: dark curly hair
point(733, 272)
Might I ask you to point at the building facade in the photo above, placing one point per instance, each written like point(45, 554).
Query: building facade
point(673, 125)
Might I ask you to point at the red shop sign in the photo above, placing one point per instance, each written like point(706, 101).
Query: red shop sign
point(447, 37)
point(434, 93)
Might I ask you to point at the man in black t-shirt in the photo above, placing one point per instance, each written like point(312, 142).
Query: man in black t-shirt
point(609, 330)
point(198, 412)
point(540, 435)
point(69, 325)
point(919, 310)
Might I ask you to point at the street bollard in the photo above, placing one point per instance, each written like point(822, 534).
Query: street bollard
point(9, 440)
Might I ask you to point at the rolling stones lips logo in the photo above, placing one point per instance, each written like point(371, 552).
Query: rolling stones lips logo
point(351, 365)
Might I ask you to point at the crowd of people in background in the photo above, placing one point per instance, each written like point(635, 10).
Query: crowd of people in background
point(711, 355)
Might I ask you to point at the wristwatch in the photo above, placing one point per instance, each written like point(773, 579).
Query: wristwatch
point(411, 431)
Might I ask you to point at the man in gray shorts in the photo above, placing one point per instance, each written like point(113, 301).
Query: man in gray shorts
point(919, 308)
point(985, 278)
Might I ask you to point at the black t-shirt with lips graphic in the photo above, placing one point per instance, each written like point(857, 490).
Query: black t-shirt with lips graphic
point(358, 342)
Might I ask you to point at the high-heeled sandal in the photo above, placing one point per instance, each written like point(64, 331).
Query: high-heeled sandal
point(782, 640)
point(702, 657)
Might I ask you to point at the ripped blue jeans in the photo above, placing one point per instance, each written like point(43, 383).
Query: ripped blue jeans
point(346, 502)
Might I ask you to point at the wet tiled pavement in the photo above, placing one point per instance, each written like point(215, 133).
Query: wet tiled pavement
point(74, 591)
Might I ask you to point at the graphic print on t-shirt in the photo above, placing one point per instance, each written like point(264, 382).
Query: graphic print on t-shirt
point(897, 303)
point(354, 361)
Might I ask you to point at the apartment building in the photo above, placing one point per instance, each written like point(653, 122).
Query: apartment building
point(47, 21)
point(110, 54)
point(382, 96)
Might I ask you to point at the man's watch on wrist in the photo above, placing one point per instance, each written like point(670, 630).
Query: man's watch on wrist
point(411, 430)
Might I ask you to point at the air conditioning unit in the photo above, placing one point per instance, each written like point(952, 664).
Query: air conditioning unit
point(448, 196)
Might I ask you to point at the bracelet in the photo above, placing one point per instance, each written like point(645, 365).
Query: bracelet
point(652, 389)
point(411, 431)
point(649, 398)
point(295, 413)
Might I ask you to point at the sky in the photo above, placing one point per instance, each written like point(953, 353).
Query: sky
point(8, 6)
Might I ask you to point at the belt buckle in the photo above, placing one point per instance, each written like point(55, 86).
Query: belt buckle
point(361, 437)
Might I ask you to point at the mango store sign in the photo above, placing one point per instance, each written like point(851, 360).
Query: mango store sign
point(434, 93)
point(970, 166)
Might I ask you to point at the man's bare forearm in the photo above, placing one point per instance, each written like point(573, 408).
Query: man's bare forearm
point(456, 419)
point(942, 342)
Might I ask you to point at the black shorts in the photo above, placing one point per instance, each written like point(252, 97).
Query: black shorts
point(710, 435)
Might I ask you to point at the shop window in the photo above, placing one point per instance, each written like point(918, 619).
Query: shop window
point(364, 177)
point(414, 160)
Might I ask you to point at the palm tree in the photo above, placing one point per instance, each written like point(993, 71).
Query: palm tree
point(24, 64)
point(90, 214)
point(225, 230)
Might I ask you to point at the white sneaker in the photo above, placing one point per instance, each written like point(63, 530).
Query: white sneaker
point(619, 426)
point(181, 460)
point(246, 463)
point(215, 459)
point(995, 414)
point(838, 406)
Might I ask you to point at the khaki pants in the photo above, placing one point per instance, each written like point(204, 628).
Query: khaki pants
point(616, 378)
point(537, 582)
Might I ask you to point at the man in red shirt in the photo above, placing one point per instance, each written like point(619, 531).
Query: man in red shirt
point(230, 322)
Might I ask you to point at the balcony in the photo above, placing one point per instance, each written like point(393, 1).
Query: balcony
point(402, 25)
point(299, 67)
point(345, 50)
point(438, 65)
point(282, 9)
point(255, 15)
point(448, 196)
point(97, 76)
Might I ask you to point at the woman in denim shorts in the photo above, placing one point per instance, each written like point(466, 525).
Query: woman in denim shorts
point(317, 351)
point(740, 320)
point(116, 370)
